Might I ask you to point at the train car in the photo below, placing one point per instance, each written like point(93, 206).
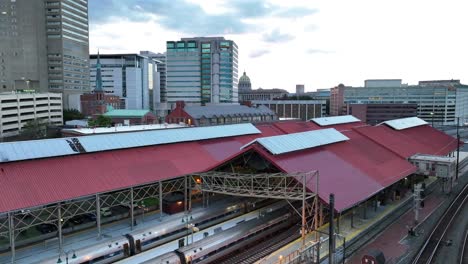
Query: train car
point(106, 252)
point(222, 243)
point(137, 241)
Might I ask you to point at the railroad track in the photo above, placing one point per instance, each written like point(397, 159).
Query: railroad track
point(264, 248)
point(464, 250)
point(429, 249)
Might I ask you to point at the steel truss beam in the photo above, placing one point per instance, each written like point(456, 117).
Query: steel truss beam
point(265, 185)
point(289, 186)
point(58, 213)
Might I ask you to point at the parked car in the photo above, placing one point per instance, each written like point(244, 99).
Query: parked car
point(90, 217)
point(127, 204)
point(46, 228)
point(78, 220)
point(105, 211)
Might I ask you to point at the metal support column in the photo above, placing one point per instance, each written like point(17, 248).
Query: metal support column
point(190, 194)
point(59, 226)
point(458, 148)
point(338, 223)
point(331, 231)
point(160, 200)
point(365, 210)
point(98, 217)
point(11, 232)
point(132, 216)
point(185, 193)
point(304, 222)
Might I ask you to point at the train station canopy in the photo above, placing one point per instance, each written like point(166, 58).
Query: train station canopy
point(368, 159)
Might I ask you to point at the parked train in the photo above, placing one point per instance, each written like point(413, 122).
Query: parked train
point(137, 241)
point(244, 233)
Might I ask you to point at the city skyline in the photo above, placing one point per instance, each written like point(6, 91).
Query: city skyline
point(319, 44)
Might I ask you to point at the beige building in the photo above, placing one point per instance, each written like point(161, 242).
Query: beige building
point(44, 47)
point(16, 109)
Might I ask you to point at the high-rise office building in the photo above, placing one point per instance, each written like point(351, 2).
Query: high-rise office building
point(132, 77)
point(161, 107)
point(202, 70)
point(23, 52)
point(68, 48)
point(438, 102)
point(45, 46)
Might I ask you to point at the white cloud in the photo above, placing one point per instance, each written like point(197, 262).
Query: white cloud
point(344, 42)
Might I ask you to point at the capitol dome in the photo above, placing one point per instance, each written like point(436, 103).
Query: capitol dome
point(244, 83)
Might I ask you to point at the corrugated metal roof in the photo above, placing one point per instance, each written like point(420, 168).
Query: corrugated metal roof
point(210, 111)
point(404, 123)
point(158, 137)
point(24, 150)
point(354, 170)
point(334, 120)
point(300, 141)
point(33, 149)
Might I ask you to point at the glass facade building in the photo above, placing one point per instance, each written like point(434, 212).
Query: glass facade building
point(201, 71)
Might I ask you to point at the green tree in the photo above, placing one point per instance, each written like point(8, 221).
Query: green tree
point(100, 121)
point(34, 129)
point(72, 114)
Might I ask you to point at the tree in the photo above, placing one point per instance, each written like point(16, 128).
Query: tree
point(34, 129)
point(100, 121)
point(72, 114)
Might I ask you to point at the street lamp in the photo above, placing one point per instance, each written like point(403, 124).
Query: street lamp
point(186, 219)
point(66, 256)
point(143, 206)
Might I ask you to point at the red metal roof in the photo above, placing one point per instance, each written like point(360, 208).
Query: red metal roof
point(407, 142)
point(354, 170)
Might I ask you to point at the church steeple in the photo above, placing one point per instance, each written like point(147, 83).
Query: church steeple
point(98, 88)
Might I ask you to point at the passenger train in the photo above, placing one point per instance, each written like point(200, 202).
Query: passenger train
point(244, 233)
point(130, 244)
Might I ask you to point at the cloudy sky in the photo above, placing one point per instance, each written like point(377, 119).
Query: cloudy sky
point(312, 42)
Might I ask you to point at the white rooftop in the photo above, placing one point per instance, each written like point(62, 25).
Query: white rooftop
point(335, 120)
point(33, 149)
point(101, 130)
point(404, 123)
point(299, 141)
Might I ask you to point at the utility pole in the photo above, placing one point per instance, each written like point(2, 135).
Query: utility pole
point(458, 148)
point(417, 201)
point(331, 231)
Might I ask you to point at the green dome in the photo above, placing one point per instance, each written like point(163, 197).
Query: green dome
point(244, 79)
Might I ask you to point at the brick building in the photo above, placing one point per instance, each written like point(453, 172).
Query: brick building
point(96, 103)
point(219, 114)
point(377, 113)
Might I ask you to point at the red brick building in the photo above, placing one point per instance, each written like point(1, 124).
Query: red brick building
point(219, 114)
point(337, 100)
point(374, 114)
point(96, 103)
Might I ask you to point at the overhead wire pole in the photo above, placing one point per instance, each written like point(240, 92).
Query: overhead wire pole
point(458, 148)
point(11, 227)
point(304, 222)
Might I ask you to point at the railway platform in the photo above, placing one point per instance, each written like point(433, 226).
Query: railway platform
point(349, 227)
point(86, 238)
